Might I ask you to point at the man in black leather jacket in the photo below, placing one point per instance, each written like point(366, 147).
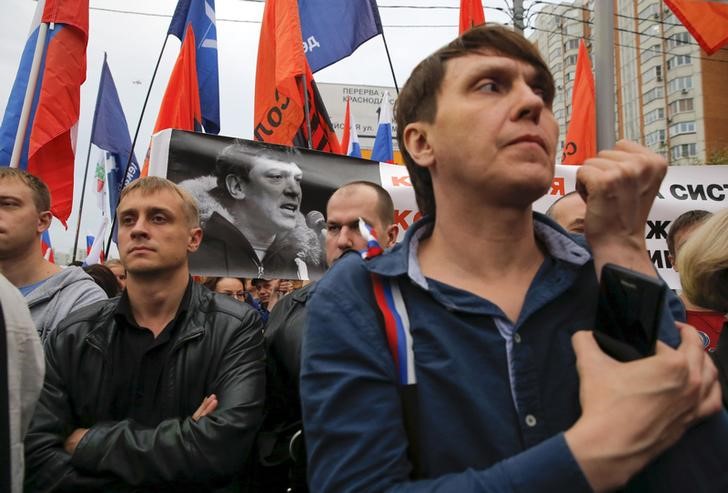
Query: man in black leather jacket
point(284, 330)
point(161, 389)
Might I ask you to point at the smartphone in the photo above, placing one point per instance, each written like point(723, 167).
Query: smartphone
point(628, 313)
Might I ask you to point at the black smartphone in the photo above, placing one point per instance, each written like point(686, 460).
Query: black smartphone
point(628, 313)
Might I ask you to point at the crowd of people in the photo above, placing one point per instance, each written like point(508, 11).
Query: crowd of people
point(458, 360)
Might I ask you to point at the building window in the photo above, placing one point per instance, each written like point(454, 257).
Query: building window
point(555, 53)
point(681, 106)
point(653, 94)
point(571, 44)
point(652, 73)
point(678, 61)
point(683, 150)
point(678, 39)
point(682, 128)
point(680, 84)
point(654, 115)
point(570, 60)
point(651, 12)
point(656, 138)
point(650, 52)
point(574, 28)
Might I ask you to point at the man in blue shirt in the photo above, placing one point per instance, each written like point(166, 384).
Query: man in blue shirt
point(510, 393)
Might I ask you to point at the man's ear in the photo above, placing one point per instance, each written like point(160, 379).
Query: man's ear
point(418, 145)
point(44, 221)
point(390, 235)
point(235, 186)
point(195, 239)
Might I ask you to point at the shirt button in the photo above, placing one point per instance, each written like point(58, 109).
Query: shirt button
point(530, 420)
point(517, 338)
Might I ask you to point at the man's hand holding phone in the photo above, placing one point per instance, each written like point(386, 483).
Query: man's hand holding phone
point(632, 412)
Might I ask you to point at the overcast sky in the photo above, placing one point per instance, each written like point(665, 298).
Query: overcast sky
point(132, 33)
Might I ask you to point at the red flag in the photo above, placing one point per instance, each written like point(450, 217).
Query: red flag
point(581, 137)
point(706, 21)
point(278, 96)
point(471, 14)
point(346, 136)
point(51, 151)
point(180, 108)
point(323, 136)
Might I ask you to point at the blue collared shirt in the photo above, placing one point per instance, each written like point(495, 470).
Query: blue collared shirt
point(494, 396)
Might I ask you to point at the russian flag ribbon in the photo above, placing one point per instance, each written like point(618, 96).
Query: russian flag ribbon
point(396, 327)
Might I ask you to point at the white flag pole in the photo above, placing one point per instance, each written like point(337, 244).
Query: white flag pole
point(29, 92)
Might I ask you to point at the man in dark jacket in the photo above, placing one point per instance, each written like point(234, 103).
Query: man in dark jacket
point(284, 329)
point(159, 390)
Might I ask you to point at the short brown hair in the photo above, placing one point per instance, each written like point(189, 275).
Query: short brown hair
point(41, 195)
point(385, 205)
point(151, 184)
point(684, 221)
point(417, 102)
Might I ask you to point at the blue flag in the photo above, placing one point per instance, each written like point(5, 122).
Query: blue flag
point(333, 29)
point(201, 13)
point(111, 133)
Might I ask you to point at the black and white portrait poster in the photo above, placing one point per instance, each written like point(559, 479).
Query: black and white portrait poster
point(261, 206)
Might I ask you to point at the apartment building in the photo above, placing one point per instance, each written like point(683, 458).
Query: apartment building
point(670, 95)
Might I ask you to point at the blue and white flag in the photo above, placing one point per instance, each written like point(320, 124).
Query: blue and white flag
point(110, 132)
point(383, 150)
point(334, 29)
point(201, 13)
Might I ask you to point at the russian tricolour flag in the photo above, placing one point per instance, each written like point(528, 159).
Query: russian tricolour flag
point(383, 151)
point(373, 247)
point(50, 138)
point(350, 139)
point(46, 248)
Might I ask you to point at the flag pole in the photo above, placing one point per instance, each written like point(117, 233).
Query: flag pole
point(88, 159)
point(306, 111)
point(133, 144)
point(391, 67)
point(29, 94)
point(604, 73)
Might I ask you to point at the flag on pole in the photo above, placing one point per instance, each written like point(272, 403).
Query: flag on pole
point(201, 15)
point(46, 248)
point(110, 132)
point(706, 21)
point(101, 185)
point(180, 106)
point(281, 63)
point(350, 139)
point(471, 14)
point(323, 137)
point(382, 150)
point(89, 243)
point(95, 245)
point(50, 140)
point(581, 136)
point(334, 30)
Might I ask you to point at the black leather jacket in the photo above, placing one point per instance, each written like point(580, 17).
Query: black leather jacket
point(218, 349)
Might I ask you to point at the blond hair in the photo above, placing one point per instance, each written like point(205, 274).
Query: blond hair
point(39, 190)
point(151, 184)
point(703, 264)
